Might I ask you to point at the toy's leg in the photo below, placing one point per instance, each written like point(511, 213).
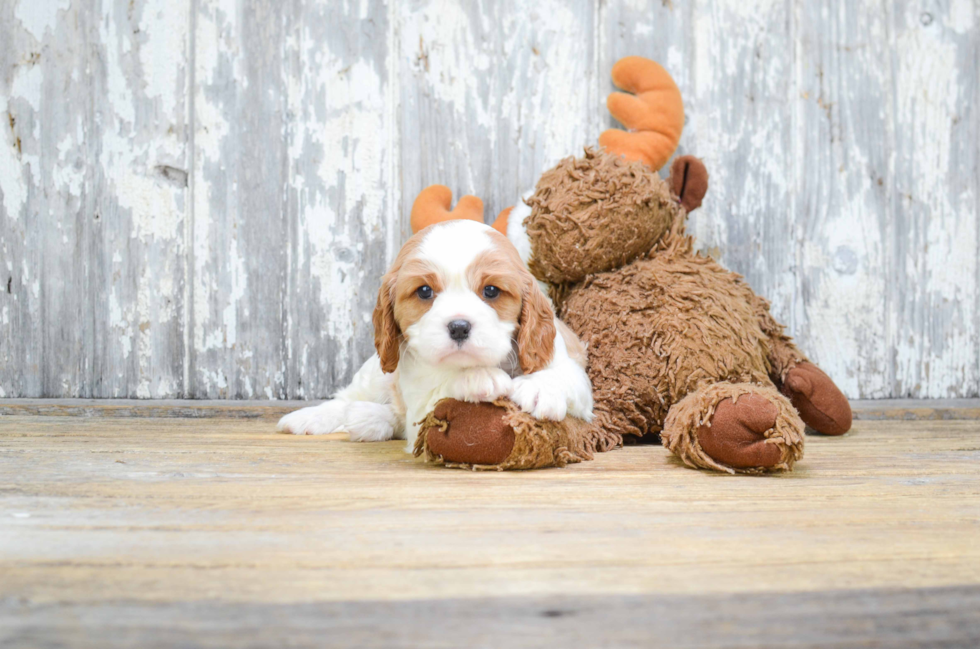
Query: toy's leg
point(821, 404)
point(735, 427)
point(500, 436)
point(819, 401)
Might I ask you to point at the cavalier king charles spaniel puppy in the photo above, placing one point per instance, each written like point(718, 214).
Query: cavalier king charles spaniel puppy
point(458, 315)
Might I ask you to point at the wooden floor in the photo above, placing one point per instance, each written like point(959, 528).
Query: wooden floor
point(190, 532)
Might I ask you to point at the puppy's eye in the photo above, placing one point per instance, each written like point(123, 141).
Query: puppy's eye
point(490, 292)
point(424, 292)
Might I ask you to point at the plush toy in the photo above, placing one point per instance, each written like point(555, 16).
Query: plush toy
point(678, 346)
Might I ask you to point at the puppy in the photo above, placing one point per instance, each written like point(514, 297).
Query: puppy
point(458, 315)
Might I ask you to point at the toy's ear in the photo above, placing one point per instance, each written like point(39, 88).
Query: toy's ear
point(432, 206)
point(688, 181)
point(654, 113)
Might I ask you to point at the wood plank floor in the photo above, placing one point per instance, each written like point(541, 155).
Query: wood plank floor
point(190, 532)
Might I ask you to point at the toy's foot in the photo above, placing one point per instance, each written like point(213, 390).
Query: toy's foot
point(736, 434)
point(474, 433)
point(500, 436)
point(821, 404)
point(735, 427)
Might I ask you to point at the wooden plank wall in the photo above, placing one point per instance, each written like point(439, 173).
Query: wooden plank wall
point(199, 196)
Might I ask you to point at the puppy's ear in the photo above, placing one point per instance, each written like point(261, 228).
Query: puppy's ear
point(536, 328)
point(387, 335)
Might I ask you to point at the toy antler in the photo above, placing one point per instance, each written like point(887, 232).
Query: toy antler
point(654, 113)
point(432, 206)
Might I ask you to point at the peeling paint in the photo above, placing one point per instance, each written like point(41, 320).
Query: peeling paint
point(163, 25)
point(216, 207)
point(455, 64)
point(39, 17)
point(961, 16)
point(937, 241)
point(12, 183)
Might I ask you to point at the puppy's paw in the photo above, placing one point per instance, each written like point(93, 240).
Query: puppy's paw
point(371, 422)
point(482, 384)
point(539, 397)
point(325, 418)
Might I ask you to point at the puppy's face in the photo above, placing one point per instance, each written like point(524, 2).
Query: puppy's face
point(458, 295)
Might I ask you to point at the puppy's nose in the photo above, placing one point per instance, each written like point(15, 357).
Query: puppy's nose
point(459, 330)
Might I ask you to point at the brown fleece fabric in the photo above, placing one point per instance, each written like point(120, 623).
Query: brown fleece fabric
point(595, 213)
point(821, 404)
point(668, 324)
point(659, 328)
point(720, 404)
point(783, 355)
point(677, 344)
point(536, 444)
point(688, 181)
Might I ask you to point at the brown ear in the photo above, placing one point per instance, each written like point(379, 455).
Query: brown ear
point(387, 335)
point(688, 181)
point(536, 328)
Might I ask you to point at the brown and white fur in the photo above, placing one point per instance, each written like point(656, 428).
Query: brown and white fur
point(465, 341)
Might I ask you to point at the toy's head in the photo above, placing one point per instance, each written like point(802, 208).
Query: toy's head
point(602, 210)
point(599, 212)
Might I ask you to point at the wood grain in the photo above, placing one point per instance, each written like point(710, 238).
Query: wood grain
point(493, 93)
point(293, 220)
point(197, 198)
point(877, 409)
point(237, 334)
point(844, 227)
point(935, 56)
point(120, 525)
point(920, 618)
point(93, 162)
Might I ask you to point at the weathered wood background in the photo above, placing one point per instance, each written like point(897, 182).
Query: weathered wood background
point(199, 196)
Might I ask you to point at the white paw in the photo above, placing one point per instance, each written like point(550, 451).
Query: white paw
point(371, 422)
point(325, 418)
point(482, 384)
point(539, 397)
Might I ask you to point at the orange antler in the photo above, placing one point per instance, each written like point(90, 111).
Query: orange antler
point(500, 225)
point(432, 206)
point(654, 113)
